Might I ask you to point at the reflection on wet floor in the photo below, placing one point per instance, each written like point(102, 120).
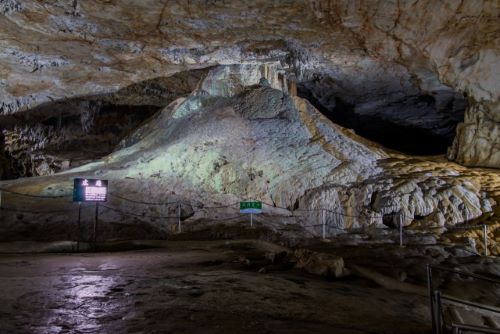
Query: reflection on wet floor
point(189, 291)
point(86, 294)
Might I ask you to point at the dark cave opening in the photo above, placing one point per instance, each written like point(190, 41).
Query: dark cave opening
point(431, 135)
point(107, 127)
point(68, 133)
point(46, 143)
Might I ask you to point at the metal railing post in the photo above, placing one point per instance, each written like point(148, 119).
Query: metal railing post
point(485, 232)
point(401, 219)
point(439, 312)
point(437, 298)
point(179, 217)
point(79, 227)
point(96, 222)
point(431, 297)
point(324, 224)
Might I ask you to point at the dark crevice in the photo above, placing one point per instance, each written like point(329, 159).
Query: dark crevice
point(388, 220)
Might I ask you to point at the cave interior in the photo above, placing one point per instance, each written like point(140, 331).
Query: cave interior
point(215, 166)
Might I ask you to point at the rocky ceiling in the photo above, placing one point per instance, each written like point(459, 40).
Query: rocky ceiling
point(383, 59)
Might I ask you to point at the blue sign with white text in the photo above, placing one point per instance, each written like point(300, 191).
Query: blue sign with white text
point(90, 190)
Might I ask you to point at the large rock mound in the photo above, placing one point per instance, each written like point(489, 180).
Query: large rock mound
point(240, 135)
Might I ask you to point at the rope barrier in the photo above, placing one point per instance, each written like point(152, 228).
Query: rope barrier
point(469, 251)
point(34, 196)
point(41, 212)
point(314, 225)
point(112, 194)
point(136, 214)
point(328, 226)
point(140, 202)
point(470, 227)
point(174, 202)
point(372, 215)
point(230, 218)
point(215, 207)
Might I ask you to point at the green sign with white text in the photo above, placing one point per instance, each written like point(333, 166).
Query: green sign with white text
point(251, 207)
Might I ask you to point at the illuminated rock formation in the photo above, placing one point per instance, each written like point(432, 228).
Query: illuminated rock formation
point(240, 135)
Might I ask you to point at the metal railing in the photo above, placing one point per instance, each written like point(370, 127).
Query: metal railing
point(324, 228)
point(436, 299)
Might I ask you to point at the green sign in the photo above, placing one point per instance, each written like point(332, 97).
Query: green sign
point(251, 207)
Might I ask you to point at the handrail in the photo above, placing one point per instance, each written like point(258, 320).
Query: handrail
point(435, 296)
point(460, 272)
point(471, 304)
point(479, 329)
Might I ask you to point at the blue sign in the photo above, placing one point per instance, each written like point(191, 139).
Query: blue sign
point(90, 190)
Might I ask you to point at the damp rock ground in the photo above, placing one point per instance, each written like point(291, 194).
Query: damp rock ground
point(238, 286)
point(190, 288)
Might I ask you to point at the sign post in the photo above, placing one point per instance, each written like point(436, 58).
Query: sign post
point(79, 226)
point(89, 190)
point(179, 217)
point(251, 207)
point(96, 221)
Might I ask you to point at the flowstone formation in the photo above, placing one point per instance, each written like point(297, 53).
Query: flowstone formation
point(240, 135)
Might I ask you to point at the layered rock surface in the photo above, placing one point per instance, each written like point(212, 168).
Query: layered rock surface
point(62, 49)
point(240, 135)
point(457, 41)
point(68, 133)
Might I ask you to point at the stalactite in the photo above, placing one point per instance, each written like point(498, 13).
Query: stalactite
point(90, 110)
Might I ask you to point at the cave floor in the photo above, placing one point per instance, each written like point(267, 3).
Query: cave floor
point(192, 287)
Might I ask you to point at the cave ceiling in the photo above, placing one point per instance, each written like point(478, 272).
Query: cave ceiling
point(370, 54)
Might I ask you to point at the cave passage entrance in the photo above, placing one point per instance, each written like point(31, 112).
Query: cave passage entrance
point(71, 132)
point(414, 125)
point(50, 142)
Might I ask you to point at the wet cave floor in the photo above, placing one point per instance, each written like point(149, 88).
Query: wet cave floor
point(193, 287)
